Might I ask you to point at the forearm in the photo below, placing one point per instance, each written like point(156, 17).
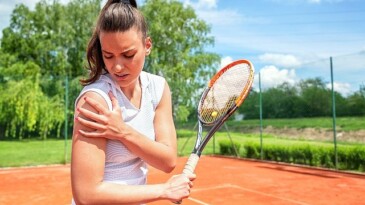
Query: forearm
point(175, 189)
point(110, 193)
point(87, 172)
point(157, 154)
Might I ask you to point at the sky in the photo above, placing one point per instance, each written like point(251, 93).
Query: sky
point(286, 40)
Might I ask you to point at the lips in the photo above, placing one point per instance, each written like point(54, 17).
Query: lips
point(121, 76)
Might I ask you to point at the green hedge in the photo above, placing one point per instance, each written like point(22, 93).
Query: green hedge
point(350, 157)
point(226, 148)
point(185, 133)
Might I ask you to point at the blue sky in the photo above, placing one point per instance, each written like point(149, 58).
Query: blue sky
point(290, 40)
point(286, 40)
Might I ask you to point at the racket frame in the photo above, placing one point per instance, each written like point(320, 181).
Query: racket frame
point(201, 143)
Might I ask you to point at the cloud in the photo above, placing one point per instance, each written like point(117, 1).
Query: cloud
point(202, 4)
point(343, 88)
point(209, 12)
point(220, 18)
point(282, 60)
point(207, 4)
point(225, 61)
point(271, 76)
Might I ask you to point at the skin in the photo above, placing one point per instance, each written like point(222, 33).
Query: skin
point(123, 54)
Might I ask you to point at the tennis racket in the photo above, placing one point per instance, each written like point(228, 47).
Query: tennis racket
point(226, 91)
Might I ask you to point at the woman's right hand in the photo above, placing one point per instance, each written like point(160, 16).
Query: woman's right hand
point(178, 187)
point(104, 122)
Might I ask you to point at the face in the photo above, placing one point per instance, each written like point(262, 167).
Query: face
point(124, 54)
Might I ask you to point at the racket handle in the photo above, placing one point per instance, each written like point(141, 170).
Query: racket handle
point(191, 164)
point(190, 167)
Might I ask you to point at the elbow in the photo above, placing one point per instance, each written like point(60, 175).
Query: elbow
point(84, 196)
point(170, 165)
point(169, 169)
point(82, 199)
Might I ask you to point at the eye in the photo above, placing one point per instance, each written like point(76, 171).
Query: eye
point(129, 56)
point(107, 56)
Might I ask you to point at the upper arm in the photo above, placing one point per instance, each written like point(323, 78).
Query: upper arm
point(88, 154)
point(163, 122)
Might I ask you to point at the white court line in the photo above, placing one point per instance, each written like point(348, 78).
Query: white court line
point(270, 195)
point(248, 190)
point(197, 201)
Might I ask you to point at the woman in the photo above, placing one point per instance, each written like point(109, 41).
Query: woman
point(123, 118)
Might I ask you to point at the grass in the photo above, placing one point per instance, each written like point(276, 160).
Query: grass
point(44, 152)
point(213, 145)
point(342, 123)
point(38, 152)
point(34, 152)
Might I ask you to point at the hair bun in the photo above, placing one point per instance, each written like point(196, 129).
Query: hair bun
point(130, 2)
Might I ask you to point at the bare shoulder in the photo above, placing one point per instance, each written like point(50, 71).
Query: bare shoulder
point(81, 103)
point(93, 95)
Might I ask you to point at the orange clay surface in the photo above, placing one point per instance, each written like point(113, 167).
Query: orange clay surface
point(219, 180)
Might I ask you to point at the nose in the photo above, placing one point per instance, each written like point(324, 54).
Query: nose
point(118, 66)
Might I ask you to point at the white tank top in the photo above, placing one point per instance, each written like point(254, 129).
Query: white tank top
point(122, 166)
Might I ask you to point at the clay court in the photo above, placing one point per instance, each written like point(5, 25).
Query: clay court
point(219, 180)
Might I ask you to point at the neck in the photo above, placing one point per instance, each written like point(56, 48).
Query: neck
point(134, 93)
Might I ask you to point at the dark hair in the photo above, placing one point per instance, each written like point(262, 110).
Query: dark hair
point(116, 16)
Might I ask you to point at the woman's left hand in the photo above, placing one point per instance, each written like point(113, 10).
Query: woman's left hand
point(106, 123)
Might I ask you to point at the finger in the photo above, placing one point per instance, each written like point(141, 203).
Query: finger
point(90, 124)
point(114, 100)
point(91, 134)
point(91, 115)
point(183, 178)
point(192, 177)
point(95, 105)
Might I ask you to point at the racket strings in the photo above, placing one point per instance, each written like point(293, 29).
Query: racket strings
point(224, 92)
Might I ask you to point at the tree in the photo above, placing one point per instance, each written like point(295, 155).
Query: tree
point(250, 107)
point(53, 35)
point(356, 104)
point(292, 104)
point(53, 39)
point(24, 107)
point(49, 43)
point(317, 99)
point(179, 42)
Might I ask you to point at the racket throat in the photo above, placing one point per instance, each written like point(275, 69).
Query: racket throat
point(198, 140)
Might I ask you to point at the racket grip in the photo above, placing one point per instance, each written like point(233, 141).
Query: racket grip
point(191, 164)
point(190, 167)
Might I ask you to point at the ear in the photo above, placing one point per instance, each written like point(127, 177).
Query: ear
point(148, 45)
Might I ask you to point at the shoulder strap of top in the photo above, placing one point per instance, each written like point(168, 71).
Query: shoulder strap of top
point(101, 87)
point(155, 85)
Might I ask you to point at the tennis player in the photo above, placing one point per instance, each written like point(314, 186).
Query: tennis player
point(123, 118)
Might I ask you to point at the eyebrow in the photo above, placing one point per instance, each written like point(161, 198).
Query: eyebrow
point(125, 51)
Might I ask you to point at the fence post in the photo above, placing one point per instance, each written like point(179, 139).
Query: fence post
point(334, 114)
point(66, 117)
point(261, 148)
